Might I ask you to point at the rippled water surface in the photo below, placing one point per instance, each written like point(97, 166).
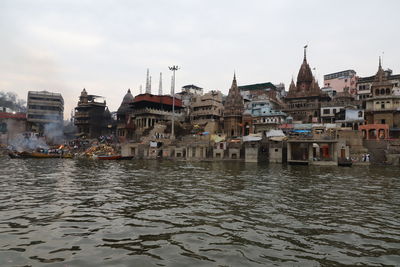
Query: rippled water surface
point(58, 212)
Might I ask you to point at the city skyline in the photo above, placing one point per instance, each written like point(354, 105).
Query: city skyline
point(106, 47)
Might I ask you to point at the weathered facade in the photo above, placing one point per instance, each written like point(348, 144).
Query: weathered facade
point(233, 111)
point(148, 110)
point(339, 103)
point(91, 116)
point(44, 108)
point(207, 111)
point(261, 116)
point(11, 124)
point(342, 81)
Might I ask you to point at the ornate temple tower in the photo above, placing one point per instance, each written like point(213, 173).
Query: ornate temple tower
point(384, 105)
point(233, 111)
point(304, 98)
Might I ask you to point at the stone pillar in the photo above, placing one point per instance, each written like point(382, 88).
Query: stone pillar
point(289, 151)
point(310, 153)
point(335, 151)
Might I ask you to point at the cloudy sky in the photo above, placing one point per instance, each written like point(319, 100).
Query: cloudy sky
point(106, 46)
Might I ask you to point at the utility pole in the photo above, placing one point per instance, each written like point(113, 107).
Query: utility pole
point(173, 69)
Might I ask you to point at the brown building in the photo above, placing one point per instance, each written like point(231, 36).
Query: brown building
point(233, 111)
point(91, 117)
point(207, 111)
point(11, 124)
point(384, 105)
point(148, 110)
point(304, 98)
point(364, 83)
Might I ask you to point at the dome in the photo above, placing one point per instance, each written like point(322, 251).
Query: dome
point(128, 98)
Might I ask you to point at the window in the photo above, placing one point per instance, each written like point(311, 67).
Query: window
point(326, 111)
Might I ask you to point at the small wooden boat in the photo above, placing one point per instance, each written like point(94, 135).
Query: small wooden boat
point(108, 157)
point(125, 158)
point(39, 155)
point(345, 162)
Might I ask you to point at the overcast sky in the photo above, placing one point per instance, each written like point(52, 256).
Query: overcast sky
point(106, 46)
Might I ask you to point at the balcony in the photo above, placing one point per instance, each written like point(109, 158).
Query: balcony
point(81, 122)
point(81, 115)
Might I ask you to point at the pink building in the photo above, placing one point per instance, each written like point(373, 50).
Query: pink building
point(341, 81)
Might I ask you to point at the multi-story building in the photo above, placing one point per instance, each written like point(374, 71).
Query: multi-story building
point(342, 81)
point(192, 89)
point(364, 84)
point(303, 101)
point(260, 117)
point(252, 91)
point(148, 110)
point(91, 116)
point(340, 102)
point(44, 109)
point(384, 105)
point(233, 111)
point(207, 110)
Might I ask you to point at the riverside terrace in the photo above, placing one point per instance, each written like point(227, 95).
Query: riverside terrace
point(313, 145)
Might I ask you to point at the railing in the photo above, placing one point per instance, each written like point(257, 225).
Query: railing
point(155, 111)
point(205, 103)
point(207, 112)
point(81, 114)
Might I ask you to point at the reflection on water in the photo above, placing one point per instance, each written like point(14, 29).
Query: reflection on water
point(152, 213)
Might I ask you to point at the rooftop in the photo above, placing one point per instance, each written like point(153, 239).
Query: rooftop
point(257, 86)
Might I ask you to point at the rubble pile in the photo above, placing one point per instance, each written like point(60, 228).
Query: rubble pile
point(102, 149)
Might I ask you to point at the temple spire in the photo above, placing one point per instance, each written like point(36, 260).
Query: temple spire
point(234, 83)
point(305, 52)
point(160, 85)
point(380, 62)
point(149, 92)
point(148, 83)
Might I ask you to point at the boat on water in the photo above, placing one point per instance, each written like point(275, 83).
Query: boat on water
point(344, 162)
point(112, 157)
point(40, 155)
point(107, 157)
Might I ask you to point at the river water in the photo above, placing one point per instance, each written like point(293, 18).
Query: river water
point(56, 212)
